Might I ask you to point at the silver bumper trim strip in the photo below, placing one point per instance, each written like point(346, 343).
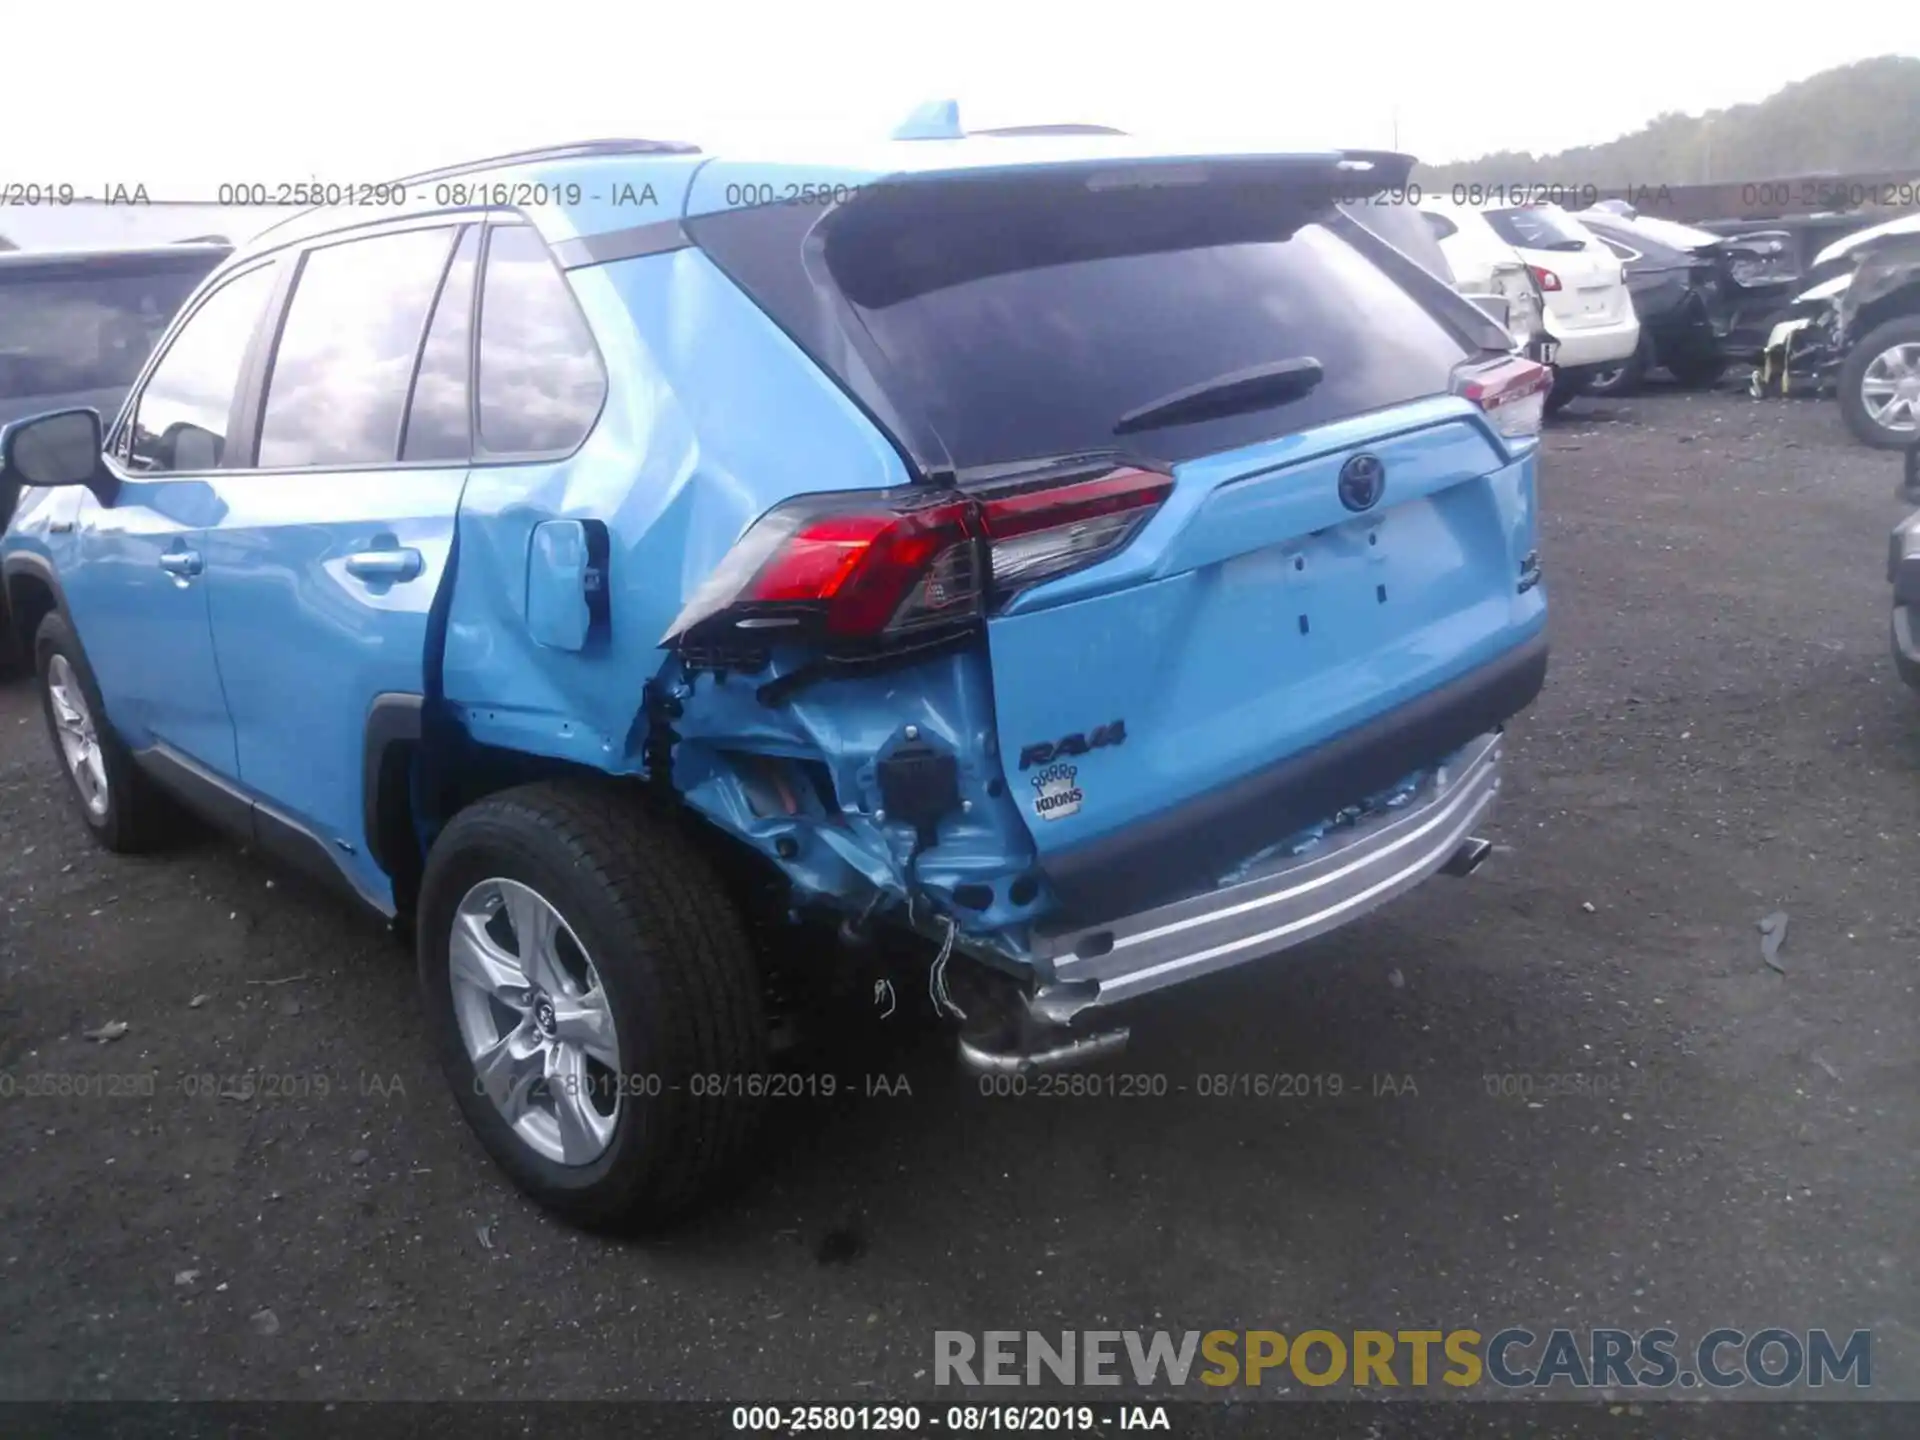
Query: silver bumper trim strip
point(1357, 870)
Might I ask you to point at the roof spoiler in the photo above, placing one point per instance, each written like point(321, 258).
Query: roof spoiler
point(1068, 128)
point(1391, 167)
point(573, 150)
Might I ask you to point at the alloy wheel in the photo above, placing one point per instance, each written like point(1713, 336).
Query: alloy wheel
point(1890, 388)
point(79, 739)
point(535, 1021)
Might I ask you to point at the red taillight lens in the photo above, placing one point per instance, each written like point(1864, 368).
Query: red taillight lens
point(1512, 392)
point(863, 568)
point(875, 566)
point(1548, 280)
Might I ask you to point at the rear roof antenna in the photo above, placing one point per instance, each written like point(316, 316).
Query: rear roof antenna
point(935, 120)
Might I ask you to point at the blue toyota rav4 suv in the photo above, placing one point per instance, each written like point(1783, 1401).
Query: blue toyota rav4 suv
point(1062, 567)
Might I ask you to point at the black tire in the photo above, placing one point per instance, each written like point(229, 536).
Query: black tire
point(1565, 387)
point(1696, 369)
point(672, 954)
point(135, 815)
point(13, 660)
point(1853, 405)
point(1627, 377)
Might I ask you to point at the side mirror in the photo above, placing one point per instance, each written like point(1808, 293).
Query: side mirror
point(58, 449)
point(1497, 308)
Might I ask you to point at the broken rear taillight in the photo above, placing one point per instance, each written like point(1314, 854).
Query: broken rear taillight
point(868, 568)
point(1511, 392)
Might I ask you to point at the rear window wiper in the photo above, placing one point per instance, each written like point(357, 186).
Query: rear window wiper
point(1229, 394)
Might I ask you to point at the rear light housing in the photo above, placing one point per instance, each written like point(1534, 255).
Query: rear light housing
point(1512, 393)
point(1548, 280)
point(873, 571)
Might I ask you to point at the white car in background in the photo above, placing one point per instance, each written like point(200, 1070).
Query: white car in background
point(1589, 310)
point(1503, 290)
point(1482, 264)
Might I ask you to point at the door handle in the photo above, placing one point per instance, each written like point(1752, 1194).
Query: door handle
point(391, 565)
point(183, 565)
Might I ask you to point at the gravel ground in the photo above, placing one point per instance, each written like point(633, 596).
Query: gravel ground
point(1722, 736)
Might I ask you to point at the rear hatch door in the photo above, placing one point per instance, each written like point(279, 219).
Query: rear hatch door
point(1590, 292)
point(1266, 607)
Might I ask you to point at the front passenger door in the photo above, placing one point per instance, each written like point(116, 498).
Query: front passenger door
point(134, 580)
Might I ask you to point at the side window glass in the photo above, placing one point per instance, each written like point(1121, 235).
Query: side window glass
point(438, 417)
point(540, 378)
point(180, 422)
point(345, 358)
point(1442, 227)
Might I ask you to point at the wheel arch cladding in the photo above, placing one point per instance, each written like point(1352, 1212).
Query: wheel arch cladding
point(30, 597)
point(393, 734)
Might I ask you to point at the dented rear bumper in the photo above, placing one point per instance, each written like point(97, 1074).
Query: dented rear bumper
point(1189, 849)
point(1352, 871)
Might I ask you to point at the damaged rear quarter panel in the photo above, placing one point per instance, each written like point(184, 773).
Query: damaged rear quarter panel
point(712, 416)
point(842, 846)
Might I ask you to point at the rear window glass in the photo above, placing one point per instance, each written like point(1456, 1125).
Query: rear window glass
point(1017, 319)
point(67, 334)
point(1537, 227)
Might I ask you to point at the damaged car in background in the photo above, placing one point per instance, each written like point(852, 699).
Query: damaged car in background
point(1795, 360)
point(1060, 568)
point(1703, 300)
point(1460, 247)
point(1876, 342)
point(1856, 335)
point(1589, 309)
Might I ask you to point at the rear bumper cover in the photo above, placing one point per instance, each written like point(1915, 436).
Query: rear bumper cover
point(1361, 869)
point(1596, 344)
point(1183, 852)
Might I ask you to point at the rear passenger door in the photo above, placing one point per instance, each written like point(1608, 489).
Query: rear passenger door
point(333, 542)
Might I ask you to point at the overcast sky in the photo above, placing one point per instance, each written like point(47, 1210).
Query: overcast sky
point(181, 95)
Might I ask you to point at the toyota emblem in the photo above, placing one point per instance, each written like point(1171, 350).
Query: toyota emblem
point(1363, 479)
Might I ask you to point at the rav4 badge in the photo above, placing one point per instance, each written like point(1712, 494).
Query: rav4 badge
point(1045, 752)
